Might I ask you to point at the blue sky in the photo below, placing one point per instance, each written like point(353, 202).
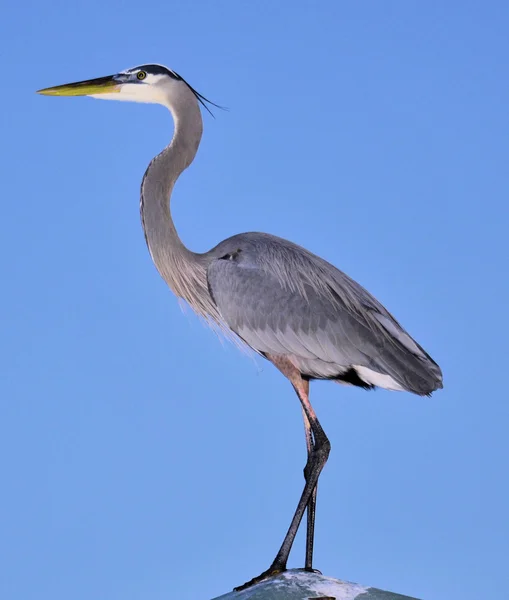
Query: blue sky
point(140, 457)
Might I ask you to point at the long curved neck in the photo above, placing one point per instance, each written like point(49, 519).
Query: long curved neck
point(183, 270)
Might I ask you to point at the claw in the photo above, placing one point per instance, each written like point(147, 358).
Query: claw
point(271, 572)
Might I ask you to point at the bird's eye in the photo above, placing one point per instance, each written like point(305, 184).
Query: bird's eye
point(141, 75)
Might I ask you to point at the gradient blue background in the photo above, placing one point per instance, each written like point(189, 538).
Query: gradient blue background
point(140, 459)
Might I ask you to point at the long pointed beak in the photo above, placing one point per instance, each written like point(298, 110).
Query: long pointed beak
point(102, 85)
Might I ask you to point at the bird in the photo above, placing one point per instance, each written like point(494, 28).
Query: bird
point(295, 309)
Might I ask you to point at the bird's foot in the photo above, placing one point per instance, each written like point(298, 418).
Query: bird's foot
point(309, 570)
point(272, 571)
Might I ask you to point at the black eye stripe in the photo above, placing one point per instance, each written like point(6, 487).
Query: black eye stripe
point(159, 70)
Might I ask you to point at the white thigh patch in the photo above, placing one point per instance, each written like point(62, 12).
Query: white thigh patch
point(378, 379)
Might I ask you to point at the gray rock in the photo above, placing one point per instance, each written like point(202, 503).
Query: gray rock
point(300, 585)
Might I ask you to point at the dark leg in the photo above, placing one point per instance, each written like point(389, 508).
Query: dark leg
point(316, 460)
point(310, 534)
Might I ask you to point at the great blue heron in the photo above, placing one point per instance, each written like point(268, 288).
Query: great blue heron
point(298, 311)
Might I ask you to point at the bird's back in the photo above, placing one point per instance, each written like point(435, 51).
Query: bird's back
point(282, 299)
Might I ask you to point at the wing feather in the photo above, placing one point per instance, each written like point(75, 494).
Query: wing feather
point(281, 299)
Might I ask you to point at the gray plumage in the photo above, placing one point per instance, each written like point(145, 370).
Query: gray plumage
point(281, 299)
point(308, 318)
point(276, 296)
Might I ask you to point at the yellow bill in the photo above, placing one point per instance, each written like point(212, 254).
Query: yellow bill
point(102, 85)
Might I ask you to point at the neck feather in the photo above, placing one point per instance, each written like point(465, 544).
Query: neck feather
point(183, 270)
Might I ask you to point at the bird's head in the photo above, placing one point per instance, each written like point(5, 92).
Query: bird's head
point(153, 84)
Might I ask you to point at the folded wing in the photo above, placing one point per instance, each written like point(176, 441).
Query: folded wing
point(281, 299)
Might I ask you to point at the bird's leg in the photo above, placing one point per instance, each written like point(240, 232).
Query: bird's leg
point(316, 461)
point(311, 508)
